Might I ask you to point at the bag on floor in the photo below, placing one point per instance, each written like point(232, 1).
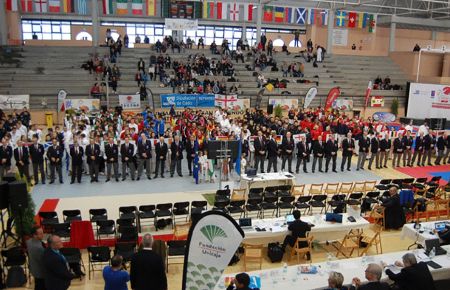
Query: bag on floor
point(275, 252)
point(16, 277)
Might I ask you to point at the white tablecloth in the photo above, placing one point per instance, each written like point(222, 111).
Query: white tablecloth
point(291, 278)
point(276, 229)
point(421, 235)
point(267, 179)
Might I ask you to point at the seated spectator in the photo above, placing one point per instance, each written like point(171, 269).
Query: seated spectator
point(373, 276)
point(354, 46)
point(137, 39)
point(95, 91)
point(115, 277)
point(200, 43)
point(241, 282)
point(298, 229)
point(416, 47)
point(335, 281)
point(413, 276)
point(146, 40)
point(285, 49)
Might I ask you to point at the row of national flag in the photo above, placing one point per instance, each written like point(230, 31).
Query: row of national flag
point(356, 20)
point(49, 6)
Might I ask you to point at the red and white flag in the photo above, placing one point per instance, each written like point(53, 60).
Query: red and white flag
point(234, 11)
point(368, 91)
point(27, 5)
point(248, 12)
point(11, 5)
point(352, 19)
point(54, 5)
point(377, 101)
point(40, 6)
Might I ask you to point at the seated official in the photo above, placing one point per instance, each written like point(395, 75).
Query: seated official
point(241, 282)
point(444, 235)
point(413, 276)
point(393, 211)
point(335, 281)
point(298, 229)
point(373, 276)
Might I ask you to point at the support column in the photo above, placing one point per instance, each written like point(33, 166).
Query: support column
point(392, 37)
point(3, 24)
point(95, 23)
point(330, 31)
point(258, 22)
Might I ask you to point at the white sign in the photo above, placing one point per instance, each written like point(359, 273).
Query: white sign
point(62, 94)
point(231, 102)
point(211, 245)
point(286, 104)
point(312, 92)
point(82, 104)
point(428, 101)
point(340, 37)
point(8, 102)
point(130, 102)
point(181, 24)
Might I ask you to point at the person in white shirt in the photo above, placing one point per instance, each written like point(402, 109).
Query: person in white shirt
point(218, 115)
point(203, 162)
point(225, 124)
point(424, 128)
point(20, 127)
point(235, 128)
point(35, 131)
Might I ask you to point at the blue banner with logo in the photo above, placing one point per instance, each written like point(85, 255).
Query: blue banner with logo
point(187, 100)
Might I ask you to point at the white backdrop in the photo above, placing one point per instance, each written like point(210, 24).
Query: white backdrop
point(429, 101)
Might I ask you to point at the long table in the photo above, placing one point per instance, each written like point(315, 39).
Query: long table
point(267, 179)
point(425, 232)
point(276, 228)
point(285, 278)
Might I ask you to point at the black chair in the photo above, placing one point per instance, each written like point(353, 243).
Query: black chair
point(318, 201)
point(198, 206)
point(126, 250)
point(284, 190)
point(253, 205)
point(434, 180)
point(127, 234)
point(175, 251)
point(222, 195)
point(180, 210)
point(163, 210)
point(71, 215)
point(98, 214)
point(105, 228)
point(420, 183)
point(285, 203)
point(255, 192)
point(73, 256)
point(98, 256)
point(336, 200)
point(221, 205)
point(270, 191)
point(430, 192)
point(407, 181)
point(47, 219)
point(302, 203)
point(13, 257)
point(146, 212)
point(383, 184)
point(128, 212)
point(62, 230)
point(397, 182)
point(354, 198)
point(236, 207)
point(269, 203)
point(372, 197)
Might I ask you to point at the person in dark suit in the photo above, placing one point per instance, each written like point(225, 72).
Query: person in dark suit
point(144, 154)
point(127, 153)
point(318, 152)
point(112, 159)
point(240, 282)
point(331, 148)
point(298, 229)
point(56, 269)
point(55, 153)
point(364, 145)
point(93, 159)
point(413, 276)
point(37, 160)
point(373, 276)
point(418, 149)
point(272, 152)
point(176, 156)
point(147, 268)
point(374, 152)
point(190, 153)
point(398, 150)
point(394, 217)
point(6, 154)
point(348, 146)
point(161, 150)
point(302, 154)
point(385, 148)
point(76, 153)
point(287, 147)
point(260, 150)
point(22, 158)
point(440, 145)
point(408, 142)
point(429, 142)
point(335, 281)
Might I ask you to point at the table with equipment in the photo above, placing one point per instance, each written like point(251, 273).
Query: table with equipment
point(267, 179)
point(421, 232)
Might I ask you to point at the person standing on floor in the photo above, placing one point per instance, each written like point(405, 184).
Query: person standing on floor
point(54, 154)
point(161, 150)
point(302, 154)
point(418, 150)
point(398, 150)
point(37, 160)
point(374, 152)
point(176, 149)
point(93, 159)
point(35, 248)
point(287, 146)
point(364, 145)
point(144, 148)
point(112, 159)
point(190, 153)
point(408, 141)
point(331, 148)
point(348, 146)
point(260, 151)
point(385, 148)
point(127, 153)
point(272, 153)
point(57, 271)
point(6, 154)
point(22, 158)
point(318, 151)
point(76, 152)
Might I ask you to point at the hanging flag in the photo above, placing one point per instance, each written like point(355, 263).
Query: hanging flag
point(40, 6)
point(362, 20)
point(11, 5)
point(333, 94)
point(196, 168)
point(324, 17)
point(27, 5)
point(151, 7)
point(208, 10)
point(211, 244)
point(268, 13)
point(310, 95)
point(137, 7)
point(219, 10)
point(352, 19)
point(301, 15)
point(53, 6)
point(372, 22)
point(82, 7)
point(107, 7)
point(311, 16)
point(368, 91)
point(234, 12)
point(248, 12)
point(279, 14)
point(288, 15)
point(122, 7)
point(62, 94)
point(340, 18)
point(222, 10)
point(68, 6)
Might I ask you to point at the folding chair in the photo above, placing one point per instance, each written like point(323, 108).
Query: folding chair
point(332, 189)
point(358, 186)
point(126, 250)
point(270, 191)
point(369, 186)
point(238, 194)
point(374, 240)
point(181, 231)
point(383, 184)
point(175, 251)
point(302, 203)
point(285, 203)
point(98, 214)
point(348, 245)
point(180, 210)
point(146, 212)
point(98, 256)
point(163, 210)
point(198, 206)
point(442, 209)
point(284, 190)
point(47, 219)
point(221, 206)
point(269, 204)
point(71, 215)
point(73, 256)
point(62, 230)
point(377, 215)
point(253, 205)
point(298, 250)
point(13, 257)
point(105, 228)
point(434, 180)
point(255, 192)
point(355, 198)
point(346, 188)
point(318, 201)
point(128, 212)
point(298, 190)
point(316, 189)
point(253, 253)
point(236, 207)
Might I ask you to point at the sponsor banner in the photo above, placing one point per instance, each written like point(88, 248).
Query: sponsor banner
point(377, 101)
point(310, 95)
point(62, 94)
point(343, 104)
point(231, 102)
point(286, 104)
point(333, 94)
point(82, 104)
point(187, 101)
point(428, 101)
point(11, 102)
point(211, 244)
point(130, 102)
point(181, 24)
point(384, 117)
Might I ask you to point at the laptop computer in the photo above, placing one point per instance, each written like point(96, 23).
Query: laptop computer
point(440, 226)
point(333, 217)
point(245, 223)
point(434, 243)
point(289, 219)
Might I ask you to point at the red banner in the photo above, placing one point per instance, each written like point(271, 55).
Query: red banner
point(332, 96)
point(368, 91)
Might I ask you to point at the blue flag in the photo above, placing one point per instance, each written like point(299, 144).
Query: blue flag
point(301, 15)
point(238, 158)
point(196, 165)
